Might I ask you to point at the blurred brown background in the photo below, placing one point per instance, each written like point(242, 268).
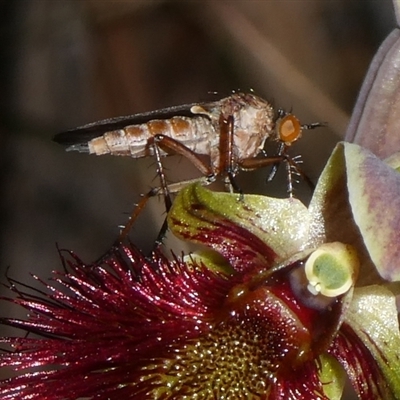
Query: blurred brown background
point(66, 63)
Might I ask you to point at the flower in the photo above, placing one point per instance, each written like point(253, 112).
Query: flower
point(280, 302)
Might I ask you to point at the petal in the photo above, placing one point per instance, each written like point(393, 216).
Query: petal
point(375, 122)
point(140, 329)
point(332, 214)
point(369, 342)
point(101, 335)
point(374, 195)
point(373, 317)
point(329, 206)
point(396, 6)
point(253, 230)
point(394, 161)
point(261, 344)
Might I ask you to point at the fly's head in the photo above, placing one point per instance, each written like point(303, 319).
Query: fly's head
point(287, 128)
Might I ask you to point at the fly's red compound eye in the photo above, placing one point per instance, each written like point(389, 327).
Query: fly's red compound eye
point(289, 129)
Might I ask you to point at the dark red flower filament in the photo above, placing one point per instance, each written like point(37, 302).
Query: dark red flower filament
point(136, 328)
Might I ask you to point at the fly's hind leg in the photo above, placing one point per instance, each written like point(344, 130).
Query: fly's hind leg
point(163, 188)
point(169, 189)
point(174, 188)
point(174, 147)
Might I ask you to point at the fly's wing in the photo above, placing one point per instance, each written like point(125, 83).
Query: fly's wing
point(77, 139)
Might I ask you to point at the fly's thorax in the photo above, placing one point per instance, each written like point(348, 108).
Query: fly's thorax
point(253, 125)
point(253, 121)
point(134, 141)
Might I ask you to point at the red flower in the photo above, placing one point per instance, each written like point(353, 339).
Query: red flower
point(272, 311)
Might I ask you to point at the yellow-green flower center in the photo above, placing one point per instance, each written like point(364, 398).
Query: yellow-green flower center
point(332, 269)
point(257, 340)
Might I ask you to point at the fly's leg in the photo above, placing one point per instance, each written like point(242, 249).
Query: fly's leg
point(282, 149)
point(161, 175)
point(234, 186)
point(231, 167)
point(291, 167)
point(151, 193)
point(173, 146)
point(227, 157)
point(294, 163)
point(172, 188)
point(250, 164)
point(289, 178)
point(170, 145)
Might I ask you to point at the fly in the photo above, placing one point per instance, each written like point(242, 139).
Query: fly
point(232, 132)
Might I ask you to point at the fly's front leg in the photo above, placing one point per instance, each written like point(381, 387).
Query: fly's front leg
point(289, 178)
point(250, 164)
point(291, 165)
point(294, 165)
point(274, 169)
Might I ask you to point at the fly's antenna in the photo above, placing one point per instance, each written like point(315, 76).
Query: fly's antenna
point(314, 125)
